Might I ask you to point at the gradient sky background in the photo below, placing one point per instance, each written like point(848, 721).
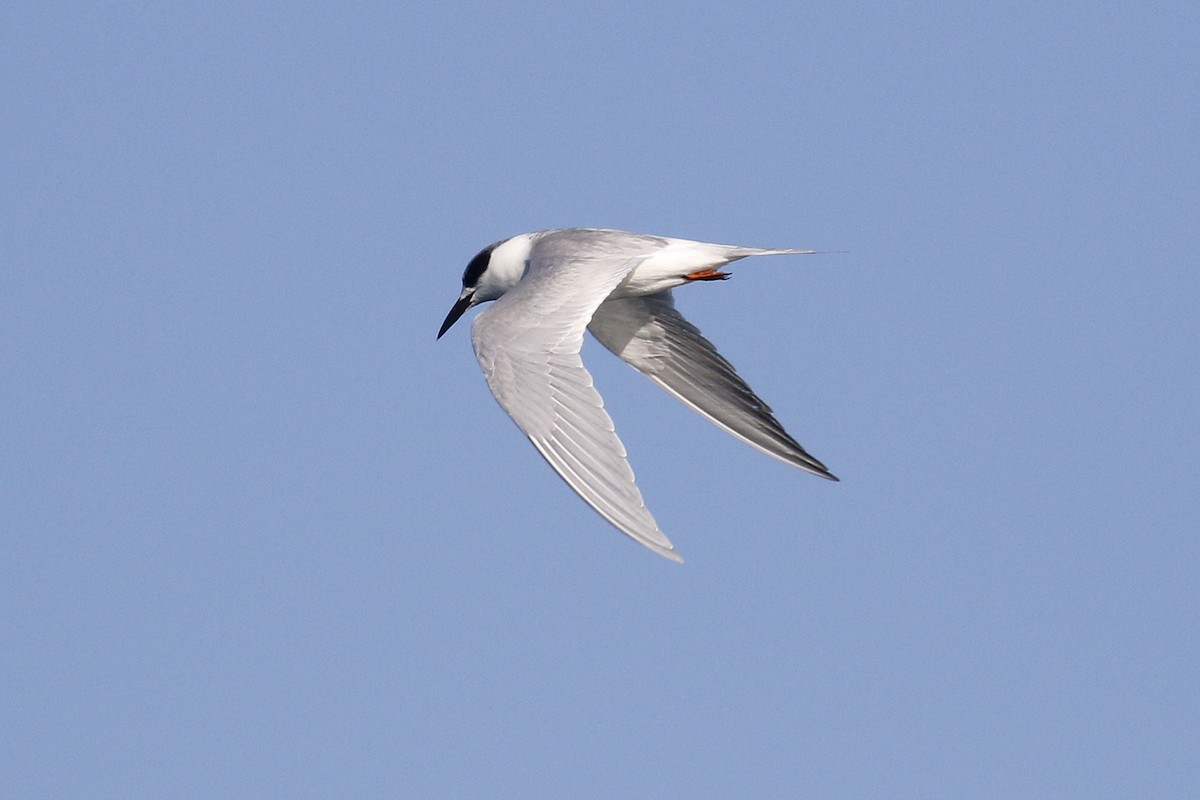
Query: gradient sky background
point(264, 537)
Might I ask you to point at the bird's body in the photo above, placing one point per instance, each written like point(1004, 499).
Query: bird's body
point(551, 285)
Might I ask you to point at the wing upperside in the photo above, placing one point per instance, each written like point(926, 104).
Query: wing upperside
point(649, 334)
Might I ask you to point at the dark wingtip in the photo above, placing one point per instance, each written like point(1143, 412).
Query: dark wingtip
point(810, 464)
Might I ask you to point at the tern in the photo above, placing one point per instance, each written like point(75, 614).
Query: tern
point(551, 285)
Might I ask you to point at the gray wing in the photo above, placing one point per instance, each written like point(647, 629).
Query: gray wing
point(528, 345)
point(649, 334)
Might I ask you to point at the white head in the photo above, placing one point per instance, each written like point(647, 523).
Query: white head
point(493, 271)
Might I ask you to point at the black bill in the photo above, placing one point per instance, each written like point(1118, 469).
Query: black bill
point(457, 311)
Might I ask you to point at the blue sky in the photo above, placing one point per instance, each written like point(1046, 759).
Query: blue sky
point(264, 537)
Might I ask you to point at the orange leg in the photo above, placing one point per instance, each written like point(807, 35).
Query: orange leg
point(707, 274)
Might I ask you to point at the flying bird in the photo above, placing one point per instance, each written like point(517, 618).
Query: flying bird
point(551, 285)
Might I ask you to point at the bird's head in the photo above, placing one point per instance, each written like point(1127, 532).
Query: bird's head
point(493, 271)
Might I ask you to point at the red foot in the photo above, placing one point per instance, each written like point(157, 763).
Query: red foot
point(709, 274)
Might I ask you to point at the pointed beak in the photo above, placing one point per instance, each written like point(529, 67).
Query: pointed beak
point(460, 308)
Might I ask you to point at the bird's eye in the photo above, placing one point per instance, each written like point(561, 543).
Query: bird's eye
point(477, 266)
